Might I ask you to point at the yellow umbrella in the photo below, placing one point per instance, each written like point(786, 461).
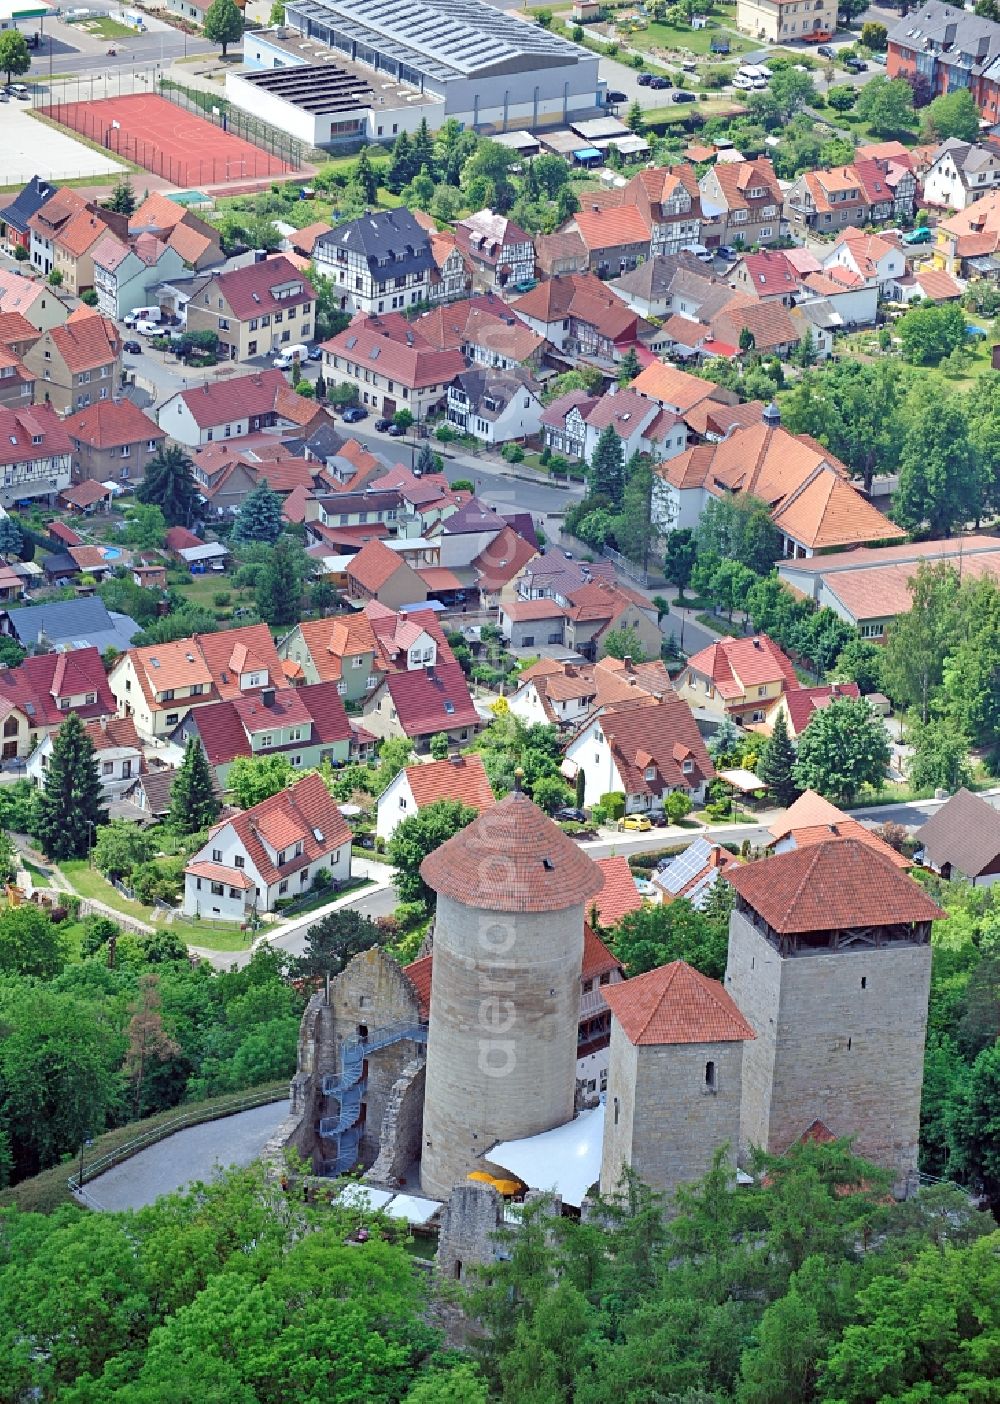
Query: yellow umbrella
point(507, 1187)
point(480, 1175)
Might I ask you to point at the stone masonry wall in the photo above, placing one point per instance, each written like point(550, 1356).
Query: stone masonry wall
point(402, 1127)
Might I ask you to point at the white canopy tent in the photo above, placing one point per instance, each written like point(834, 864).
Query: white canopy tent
point(566, 1160)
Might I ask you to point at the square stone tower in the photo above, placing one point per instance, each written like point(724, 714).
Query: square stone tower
point(674, 1079)
point(830, 961)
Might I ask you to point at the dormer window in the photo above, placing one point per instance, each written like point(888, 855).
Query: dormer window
point(687, 767)
point(650, 772)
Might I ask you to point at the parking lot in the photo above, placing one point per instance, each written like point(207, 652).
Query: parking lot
point(31, 147)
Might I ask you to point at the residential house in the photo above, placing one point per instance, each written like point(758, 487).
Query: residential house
point(112, 441)
point(813, 819)
point(772, 329)
point(500, 252)
point(197, 243)
point(966, 243)
point(930, 284)
point(563, 693)
point(127, 272)
point(667, 283)
point(270, 853)
point(15, 226)
point(421, 703)
point(870, 257)
point(813, 503)
point(32, 297)
point(495, 406)
point(460, 778)
point(228, 409)
point(159, 685)
point(616, 238)
point(342, 651)
point(392, 365)
point(117, 751)
point(581, 317)
point(960, 173)
point(255, 309)
point(78, 363)
point(575, 610)
point(34, 454)
point(644, 753)
point(787, 21)
point(307, 725)
point(865, 192)
point(64, 232)
point(573, 423)
point(767, 276)
point(560, 253)
point(38, 695)
point(485, 330)
point(697, 402)
point(692, 874)
point(380, 262)
point(17, 382)
point(303, 241)
point(69, 625)
point(943, 48)
point(450, 275)
point(742, 679)
point(962, 840)
point(376, 573)
point(150, 793)
point(466, 533)
point(670, 200)
point(869, 588)
point(798, 705)
point(742, 200)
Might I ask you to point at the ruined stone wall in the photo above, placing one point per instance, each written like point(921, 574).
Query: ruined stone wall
point(471, 1218)
point(402, 1127)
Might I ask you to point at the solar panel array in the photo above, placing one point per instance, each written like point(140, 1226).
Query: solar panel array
point(439, 39)
point(316, 88)
point(685, 866)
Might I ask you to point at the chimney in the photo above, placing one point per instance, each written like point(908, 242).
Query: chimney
point(756, 643)
point(627, 660)
point(771, 416)
point(455, 760)
point(267, 696)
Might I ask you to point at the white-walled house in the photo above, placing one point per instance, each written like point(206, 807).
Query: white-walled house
point(870, 257)
point(457, 778)
point(961, 173)
point(270, 853)
point(644, 753)
point(118, 755)
point(496, 406)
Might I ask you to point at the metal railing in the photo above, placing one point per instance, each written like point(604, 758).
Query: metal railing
point(194, 1116)
point(347, 1088)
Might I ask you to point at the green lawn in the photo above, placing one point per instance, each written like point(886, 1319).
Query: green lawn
point(86, 881)
point(107, 28)
point(864, 345)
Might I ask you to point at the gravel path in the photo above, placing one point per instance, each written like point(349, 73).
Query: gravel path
point(193, 1154)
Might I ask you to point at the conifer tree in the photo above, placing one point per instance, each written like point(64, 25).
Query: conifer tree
point(70, 807)
point(279, 588)
point(422, 148)
point(401, 165)
point(169, 484)
point(776, 761)
point(193, 802)
point(425, 459)
point(607, 467)
point(365, 178)
point(259, 516)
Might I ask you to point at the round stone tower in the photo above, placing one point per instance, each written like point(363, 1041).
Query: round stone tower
point(505, 986)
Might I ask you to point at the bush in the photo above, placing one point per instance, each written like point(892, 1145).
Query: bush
point(445, 434)
point(89, 297)
point(613, 804)
point(513, 453)
point(222, 598)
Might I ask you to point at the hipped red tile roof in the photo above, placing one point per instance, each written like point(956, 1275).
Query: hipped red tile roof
point(458, 778)
point(676, 1004)
point(112, 424)
point(619, 895)
point(830, 886)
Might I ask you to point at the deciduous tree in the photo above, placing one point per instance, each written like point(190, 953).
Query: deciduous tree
point(419, 835)
point(252, 779)
point(679, 559)
point(843, 749)
point(223, 24)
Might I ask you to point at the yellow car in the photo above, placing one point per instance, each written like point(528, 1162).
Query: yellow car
point(638, 822)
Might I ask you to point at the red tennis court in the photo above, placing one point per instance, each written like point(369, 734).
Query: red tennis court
point(154, 133)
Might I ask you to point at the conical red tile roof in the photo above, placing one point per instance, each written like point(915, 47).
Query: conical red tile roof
point(513, 858)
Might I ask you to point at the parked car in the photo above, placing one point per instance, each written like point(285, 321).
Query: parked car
point(281, 361)
point(354, 414)
point(681, 96)
point(141, 314)
point(613, 96)
point(919, 236)
point(638, 823)
point(879, 59)
point(395, 431)
point(726, 251)
point(645, 80)
point(689, 66)
point(855, 65)
point(134, 348)
point(826, 51)
point(744, 85)
point(149, 328)
point(382, 425)
point(659, 83)
point(569, 814)
point(315, 353)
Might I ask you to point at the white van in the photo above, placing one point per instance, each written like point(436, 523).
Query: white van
point(141, 314)
point(285, 355)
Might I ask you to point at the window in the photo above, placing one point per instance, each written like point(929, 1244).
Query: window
point(108, 768)
point(687, 767)
point(872, 631)
point(762, 692)
point(357, 662)
point(757, 716)
point(334, 858)
point(281, 857)
point(172, 718)
point(90, 698)
point(650, 772)
point(218, 890)
point(239, 861)
point(282, 887)
point(216, 855)
point(711, 1084)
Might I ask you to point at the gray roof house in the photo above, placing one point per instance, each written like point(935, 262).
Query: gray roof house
point(68, 624)
point(379, 263)
point(962, 840)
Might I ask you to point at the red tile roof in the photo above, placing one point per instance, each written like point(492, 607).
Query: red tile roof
point(112, 424)
point(737, 665)
point(612, 228)
point(19, 427)
point(458, 778)
point(178, 538)
point(676, 1004)
point(619, 895)
point(249, 290)
point(422, 697)
point(36, 685)
point(418, 972)
point(401, 353)
point(113, 733)
point(802, 702)
point(661, 738)
point(243, 397)
point(827, 886)
point(512, 859)
point(86, 341)
point(298, 813)
point(597, 959)
point(65, 534)
point(225, 728)
point(85, 494)
point(373, 565)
